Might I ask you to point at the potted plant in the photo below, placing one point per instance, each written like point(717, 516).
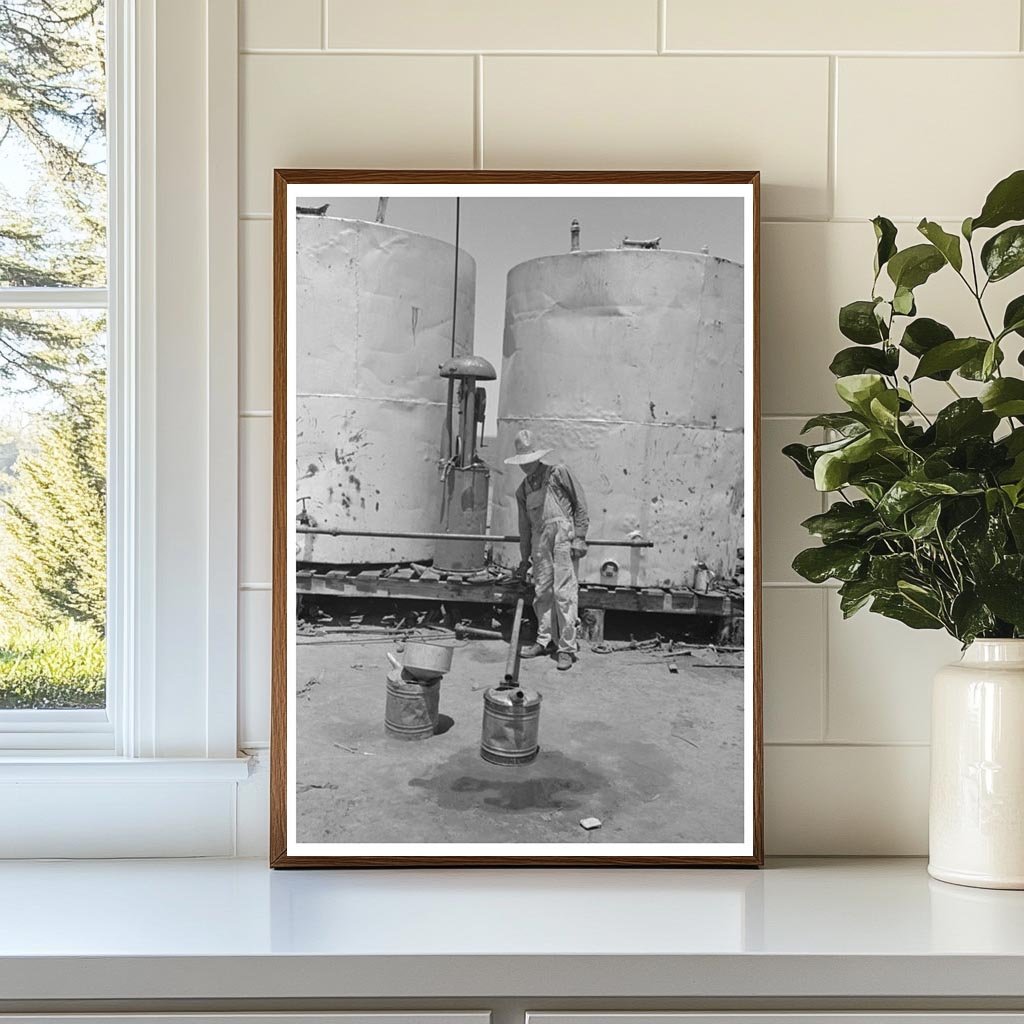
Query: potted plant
point(926, 524)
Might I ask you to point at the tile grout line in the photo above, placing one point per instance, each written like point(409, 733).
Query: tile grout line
point(257, 51)
point(823, 723)
point(852, 744)
point(832, 147)
point(478, 111)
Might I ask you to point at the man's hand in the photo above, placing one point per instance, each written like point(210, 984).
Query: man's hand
point(522, 570)
point(579, 547)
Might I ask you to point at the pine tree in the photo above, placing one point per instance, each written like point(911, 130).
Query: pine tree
point(53, 519)
point(53, 234)
point(53, 121)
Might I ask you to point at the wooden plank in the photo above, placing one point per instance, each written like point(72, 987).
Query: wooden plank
point(371, 584)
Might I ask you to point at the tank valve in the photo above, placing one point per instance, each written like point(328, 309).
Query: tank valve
point(303, 518)
point(609, 569)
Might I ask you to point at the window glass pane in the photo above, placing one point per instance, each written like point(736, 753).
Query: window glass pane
point(53, 151)
point(52, 508)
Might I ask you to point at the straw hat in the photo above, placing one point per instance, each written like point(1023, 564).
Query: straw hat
point(525, 451)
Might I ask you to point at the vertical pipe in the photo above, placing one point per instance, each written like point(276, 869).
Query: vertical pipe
point(468, 424)
point(449, 441)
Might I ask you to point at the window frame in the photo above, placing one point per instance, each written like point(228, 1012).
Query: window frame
point(79, 730)
point(172, 175)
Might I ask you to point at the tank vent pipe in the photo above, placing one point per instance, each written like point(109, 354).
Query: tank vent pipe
point(382, 209)
point(574, 236)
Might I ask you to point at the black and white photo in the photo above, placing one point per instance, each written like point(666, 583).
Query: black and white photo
point(515, 550)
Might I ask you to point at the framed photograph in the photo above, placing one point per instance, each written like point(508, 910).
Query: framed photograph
point(516, 566)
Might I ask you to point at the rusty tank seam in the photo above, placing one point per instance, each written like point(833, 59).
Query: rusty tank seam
point(367, 398)
point(621, 422)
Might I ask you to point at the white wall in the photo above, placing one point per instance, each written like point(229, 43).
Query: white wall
point(905, 109)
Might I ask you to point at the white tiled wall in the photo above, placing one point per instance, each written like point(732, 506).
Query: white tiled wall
point(906, 109)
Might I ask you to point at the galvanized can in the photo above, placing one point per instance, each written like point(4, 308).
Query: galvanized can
point(411, 709)
point(510, 726)
point(424, 660)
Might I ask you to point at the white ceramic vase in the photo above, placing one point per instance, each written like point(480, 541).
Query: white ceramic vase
point(976, 814)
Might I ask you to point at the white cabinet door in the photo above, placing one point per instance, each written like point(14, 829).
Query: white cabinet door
point(362, 1017)
point(933, 1017)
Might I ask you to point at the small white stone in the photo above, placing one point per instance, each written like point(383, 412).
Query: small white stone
point(590, 823)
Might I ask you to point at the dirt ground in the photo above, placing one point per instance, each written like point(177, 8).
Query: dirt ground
point(656, 756)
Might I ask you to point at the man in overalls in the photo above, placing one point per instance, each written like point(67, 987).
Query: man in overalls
point(553, 524)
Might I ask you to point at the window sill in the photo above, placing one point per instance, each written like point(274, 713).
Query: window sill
point(75, 766)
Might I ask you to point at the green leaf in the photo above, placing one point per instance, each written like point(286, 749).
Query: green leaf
point(799, 455)
point(1005, 202)
point(911, 267)
point(966, 417)
point(885, 409)
point(831, 471)
point(841, 421)
point(906, 494)
point(991, 360)
point(1003, 254)
point(974, 368)
point(885, 237)
point(1013, 317)
point(965, 229)
point(887, 570)
point(864, 446)
point(949, 355)
point(923, 335)
point(841, 561)
point(947, 244)
point(842, 521)
point(854, 595)
point(858, 389)
point(834, 446)
point(857, 321)
point(1004, 595)
point(1004, 397)
point(970, 617)
point(925, 518)
point(849, 361)
point(995, 499)
point(903, 302)
point(899, 608)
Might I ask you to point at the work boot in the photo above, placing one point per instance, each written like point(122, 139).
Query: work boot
point(533, 651)
point(564, 661)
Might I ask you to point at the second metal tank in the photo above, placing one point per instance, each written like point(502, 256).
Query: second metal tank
point(374, 322)
point(629, 364)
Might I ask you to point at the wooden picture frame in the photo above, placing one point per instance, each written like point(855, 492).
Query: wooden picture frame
point(286, 849)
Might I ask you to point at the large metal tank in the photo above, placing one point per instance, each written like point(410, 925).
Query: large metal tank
point(629, 364)
point(374, 323)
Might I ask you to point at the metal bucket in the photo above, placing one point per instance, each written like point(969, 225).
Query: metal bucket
point(425, 660)
point(510, 726)
point(411, 709)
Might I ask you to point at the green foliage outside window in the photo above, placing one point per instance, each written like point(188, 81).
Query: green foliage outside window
point(52, 365)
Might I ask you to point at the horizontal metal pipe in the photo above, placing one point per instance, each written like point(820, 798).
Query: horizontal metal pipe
point(502, 539)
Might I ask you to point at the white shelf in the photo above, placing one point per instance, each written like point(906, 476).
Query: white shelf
point(223, 929)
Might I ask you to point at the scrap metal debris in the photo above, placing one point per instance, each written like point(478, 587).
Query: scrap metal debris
point(305, 787)
point(590, 823)
point(354, 750)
